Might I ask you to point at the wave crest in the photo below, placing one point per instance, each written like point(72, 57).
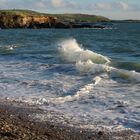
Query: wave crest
point(73, 52)
point(92, 63)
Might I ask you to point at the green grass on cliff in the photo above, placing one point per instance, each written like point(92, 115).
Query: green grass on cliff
point(63, 17)
point(21, 12)
point(80, 17)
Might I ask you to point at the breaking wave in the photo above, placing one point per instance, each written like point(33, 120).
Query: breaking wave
point(89, 62)
point(91, 68)
point(73, 52)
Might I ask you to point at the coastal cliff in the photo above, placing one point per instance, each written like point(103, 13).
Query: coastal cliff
point(32, 19)
point(14, 19)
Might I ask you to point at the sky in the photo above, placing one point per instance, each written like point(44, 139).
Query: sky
point(113, 9)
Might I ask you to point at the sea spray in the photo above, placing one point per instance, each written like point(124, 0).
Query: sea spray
point(89, 62)
point(73, 52)
point(91, 68)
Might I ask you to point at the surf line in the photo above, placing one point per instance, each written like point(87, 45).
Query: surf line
point(80, 93)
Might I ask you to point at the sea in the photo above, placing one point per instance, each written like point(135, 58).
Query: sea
point(78, 77)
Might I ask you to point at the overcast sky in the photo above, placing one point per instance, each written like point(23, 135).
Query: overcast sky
point(114, 9)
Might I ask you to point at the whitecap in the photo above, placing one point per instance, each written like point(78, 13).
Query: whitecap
point(73, 52)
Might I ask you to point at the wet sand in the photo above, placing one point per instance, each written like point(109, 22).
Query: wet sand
point(16, 124)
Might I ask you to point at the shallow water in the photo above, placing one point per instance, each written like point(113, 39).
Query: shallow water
point(85, 76)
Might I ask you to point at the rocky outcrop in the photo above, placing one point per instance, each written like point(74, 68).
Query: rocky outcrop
point(10, 20)
point(60, 25)
point(83, 25)
point(98, 26)
point(31, 19)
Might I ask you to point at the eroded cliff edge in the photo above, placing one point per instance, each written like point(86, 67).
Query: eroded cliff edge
point(14, 19)
point(32, 19)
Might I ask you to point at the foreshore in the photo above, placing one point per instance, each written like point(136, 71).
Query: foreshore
point(16, 124)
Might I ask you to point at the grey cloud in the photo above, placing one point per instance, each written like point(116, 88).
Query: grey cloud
point(38, 4)
point(109, 6)
point(65, 5)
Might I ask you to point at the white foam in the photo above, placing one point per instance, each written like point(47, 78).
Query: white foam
point(83, 91)
point(91, 68)
point(92, 63)
point(71, 51)
point(125, 74)
point(11, 47)
point(96, 80)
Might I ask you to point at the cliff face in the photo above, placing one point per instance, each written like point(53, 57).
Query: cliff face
point(10, 20)
point(32, 19)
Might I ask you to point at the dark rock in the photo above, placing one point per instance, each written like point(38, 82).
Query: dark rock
point(100, 133)
point(63, 25)
point(87, 26)
point(83, 25)
point(7, 134)
point(77, 26)
point(36, 25)
point(98, 26)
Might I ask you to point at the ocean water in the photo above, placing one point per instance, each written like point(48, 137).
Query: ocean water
point(84, 77)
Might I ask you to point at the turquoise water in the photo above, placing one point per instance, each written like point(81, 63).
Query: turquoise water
point(89, 76)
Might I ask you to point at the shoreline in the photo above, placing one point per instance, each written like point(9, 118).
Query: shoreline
point(16, 123)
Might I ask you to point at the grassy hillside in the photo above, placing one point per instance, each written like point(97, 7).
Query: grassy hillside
point(21, 12)
point(80, 17)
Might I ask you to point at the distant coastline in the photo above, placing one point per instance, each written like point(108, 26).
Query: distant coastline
point(126, 21)
point(31, 19)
